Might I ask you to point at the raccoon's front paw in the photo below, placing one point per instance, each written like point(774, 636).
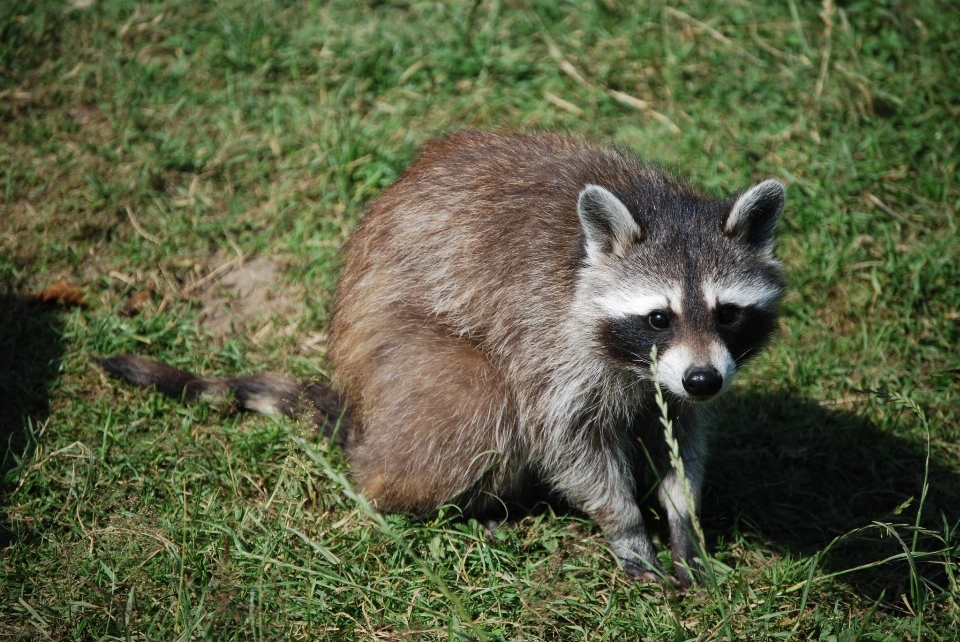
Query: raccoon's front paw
point(643, 573)
point(639, 564)
point(688, 570)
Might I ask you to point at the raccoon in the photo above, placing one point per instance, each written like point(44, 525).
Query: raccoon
point(493, 328)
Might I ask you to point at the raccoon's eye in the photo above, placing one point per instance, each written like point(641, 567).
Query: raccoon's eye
point(727, 314)
point(659, 321)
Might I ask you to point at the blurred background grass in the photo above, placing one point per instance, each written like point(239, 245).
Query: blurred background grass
point(149, 149)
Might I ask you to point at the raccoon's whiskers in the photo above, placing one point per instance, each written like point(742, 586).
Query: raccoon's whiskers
point(748, 351)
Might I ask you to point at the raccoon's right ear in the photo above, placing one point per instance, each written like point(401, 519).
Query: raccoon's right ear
point(607, 224)
point(755, 214)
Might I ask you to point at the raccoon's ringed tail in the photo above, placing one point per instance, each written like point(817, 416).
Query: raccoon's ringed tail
point(166, 379)
point(267, 394)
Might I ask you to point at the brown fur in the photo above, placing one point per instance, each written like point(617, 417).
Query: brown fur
point(480, 238)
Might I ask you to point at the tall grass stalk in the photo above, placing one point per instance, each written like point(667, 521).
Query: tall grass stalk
point(676, 461)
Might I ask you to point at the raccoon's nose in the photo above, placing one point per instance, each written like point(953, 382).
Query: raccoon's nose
point(702, 382)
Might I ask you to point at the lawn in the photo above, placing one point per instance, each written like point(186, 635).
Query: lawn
point(187, 170)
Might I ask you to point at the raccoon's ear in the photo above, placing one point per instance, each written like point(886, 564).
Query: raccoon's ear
point(608, 225)
point(754, 216)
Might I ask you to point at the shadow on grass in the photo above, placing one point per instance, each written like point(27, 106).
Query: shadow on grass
point(31, 347)
point(30, 34)
point(790, 475)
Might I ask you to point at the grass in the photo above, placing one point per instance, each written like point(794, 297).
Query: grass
point(145, 144)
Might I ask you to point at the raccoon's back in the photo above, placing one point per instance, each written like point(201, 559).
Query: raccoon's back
point(481, 234)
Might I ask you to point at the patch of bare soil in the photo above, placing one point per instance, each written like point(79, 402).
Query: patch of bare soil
point(240, 293)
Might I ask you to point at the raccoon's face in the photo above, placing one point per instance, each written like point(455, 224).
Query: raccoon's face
point(696, 278)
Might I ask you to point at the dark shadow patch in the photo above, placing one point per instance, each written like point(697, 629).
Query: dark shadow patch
point(30, 34)
point(31, 347)
point(790, 476)
point(793, 475)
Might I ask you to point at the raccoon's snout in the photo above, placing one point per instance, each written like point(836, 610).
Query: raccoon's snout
point(702, 382)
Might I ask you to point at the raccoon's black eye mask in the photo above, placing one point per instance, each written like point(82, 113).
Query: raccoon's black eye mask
point(746, 331)
point(629, 339)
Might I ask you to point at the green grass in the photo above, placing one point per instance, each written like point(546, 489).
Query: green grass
point(150, 142)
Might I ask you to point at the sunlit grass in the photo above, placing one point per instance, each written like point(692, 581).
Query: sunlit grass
point(144, 146)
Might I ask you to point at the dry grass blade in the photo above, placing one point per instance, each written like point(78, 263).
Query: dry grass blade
point(563, 104)
point(713, 33)
point(641, 105)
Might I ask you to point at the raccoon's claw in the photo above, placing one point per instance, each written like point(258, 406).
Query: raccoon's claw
point(491, 526)
point(687, 571)
point(683, 577)
point(652, 578)
point(647, 576)
point(637, 557)
point(642, 571)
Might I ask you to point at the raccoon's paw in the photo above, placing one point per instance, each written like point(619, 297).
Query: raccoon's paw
point(639, 562)
point(688, 571)
point(646, 575)
point(490, 526)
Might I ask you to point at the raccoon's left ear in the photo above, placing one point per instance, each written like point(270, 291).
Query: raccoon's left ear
point(607, 224)
point(754, 216)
